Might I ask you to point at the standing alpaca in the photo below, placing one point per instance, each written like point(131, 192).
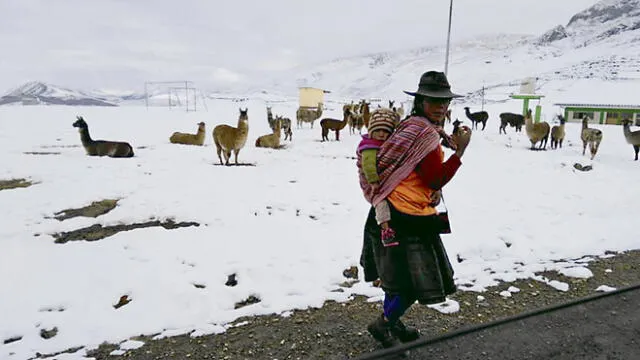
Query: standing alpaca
point(477, 117)
point(335, 125)
point(189, 139)
point(593, 137)
point(309, 115)
point(366, 114)
point(538, 132)
point(285, 124)
point(557, 133)
point(511, 119)
point(270, 119)
point(356, 121)
point(229, 138)
point(632, 137)
point(271, 140)
point(114, 149)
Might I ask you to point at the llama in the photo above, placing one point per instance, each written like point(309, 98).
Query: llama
point(285, 124)
point(511, 119)
point(591, 137)
point(366, 114)
point(400, 111)
point(189, 139)
point(477, 117)
point(447, 116)
point(632, 137)
point(558, 133)
point(305, 114)
point(270, 118)
point(231, 139)
point(113, 149)
point(397, 110)
point(356, 121)
point(335, 125)
point(456, 126)
point(271, 140)
point(538, 132)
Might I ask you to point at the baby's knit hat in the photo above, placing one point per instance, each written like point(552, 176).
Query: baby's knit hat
point(383, 119)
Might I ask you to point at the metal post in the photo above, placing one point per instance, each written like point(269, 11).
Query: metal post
point(186, 94)
point(446, 61)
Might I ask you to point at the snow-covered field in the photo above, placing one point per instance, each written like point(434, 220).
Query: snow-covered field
point(287, 226)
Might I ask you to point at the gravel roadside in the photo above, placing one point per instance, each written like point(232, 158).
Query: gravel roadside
point(338, 330)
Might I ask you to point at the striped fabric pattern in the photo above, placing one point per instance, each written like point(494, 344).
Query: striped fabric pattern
point(414, 138)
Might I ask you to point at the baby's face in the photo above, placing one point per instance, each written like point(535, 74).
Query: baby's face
point(381, 135)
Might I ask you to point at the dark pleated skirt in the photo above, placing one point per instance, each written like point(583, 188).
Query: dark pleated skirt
point(419, 267)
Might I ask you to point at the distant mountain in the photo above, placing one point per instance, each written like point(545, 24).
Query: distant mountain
point(39, 93)
point(601, 22)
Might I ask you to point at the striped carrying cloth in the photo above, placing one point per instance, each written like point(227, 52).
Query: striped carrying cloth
point(413, 139)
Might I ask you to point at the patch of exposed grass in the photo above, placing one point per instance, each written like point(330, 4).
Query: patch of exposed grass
point(98, 232)
point(14, 183)
point(94, 210)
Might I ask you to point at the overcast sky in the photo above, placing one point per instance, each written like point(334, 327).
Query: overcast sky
point(122, 43)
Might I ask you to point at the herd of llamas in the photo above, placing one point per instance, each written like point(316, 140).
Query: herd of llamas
point(229, 140)
point(539, 132)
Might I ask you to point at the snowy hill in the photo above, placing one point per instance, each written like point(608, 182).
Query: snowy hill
point(600, 42)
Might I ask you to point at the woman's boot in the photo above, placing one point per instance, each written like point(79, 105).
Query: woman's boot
point(404, 333)
point(381, 331)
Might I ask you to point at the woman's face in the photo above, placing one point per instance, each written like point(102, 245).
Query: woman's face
point(435, 109)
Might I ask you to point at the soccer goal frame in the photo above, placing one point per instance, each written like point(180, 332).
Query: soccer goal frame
point(182, 88)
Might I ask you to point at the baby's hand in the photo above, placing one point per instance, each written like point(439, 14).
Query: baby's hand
point(435, 198)
point(375, 187)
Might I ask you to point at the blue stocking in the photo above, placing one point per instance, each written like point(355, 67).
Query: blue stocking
point(396, 305)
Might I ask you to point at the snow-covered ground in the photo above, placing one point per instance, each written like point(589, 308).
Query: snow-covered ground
point(287, 226)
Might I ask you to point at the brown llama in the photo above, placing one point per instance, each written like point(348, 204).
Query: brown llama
point(189, 139)
point(558, 133)
point(538, 132)
point(229, 139)
point(591, 137)
point(366, 114)
point(335, 125)
point(477, 117)
point(306, 114)
point(511, 119)
point(115, 149)
point(271, 140)
point(632, 137)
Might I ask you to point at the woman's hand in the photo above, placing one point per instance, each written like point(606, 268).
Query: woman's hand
point(462, 137)
point(435, 198)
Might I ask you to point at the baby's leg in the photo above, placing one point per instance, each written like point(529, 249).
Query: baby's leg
point(383, 212)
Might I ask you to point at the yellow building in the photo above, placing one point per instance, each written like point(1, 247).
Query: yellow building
point(310, 97)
